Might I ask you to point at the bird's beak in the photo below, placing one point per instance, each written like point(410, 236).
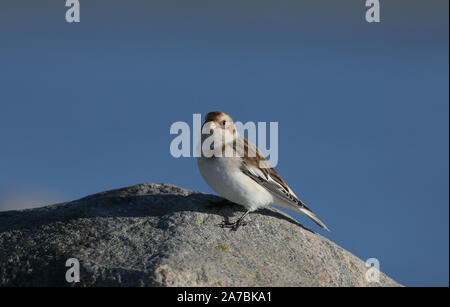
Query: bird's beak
point(212, 126)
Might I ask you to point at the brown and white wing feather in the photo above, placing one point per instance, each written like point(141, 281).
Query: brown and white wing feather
point(259, 169)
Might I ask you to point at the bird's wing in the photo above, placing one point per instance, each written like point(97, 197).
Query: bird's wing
point(254, 165)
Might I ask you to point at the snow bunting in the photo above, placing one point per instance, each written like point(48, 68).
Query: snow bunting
point(236, 170)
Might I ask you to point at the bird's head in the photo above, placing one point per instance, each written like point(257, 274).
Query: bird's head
point(220, 126)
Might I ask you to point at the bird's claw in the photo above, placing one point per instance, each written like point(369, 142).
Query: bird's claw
point(233, 226)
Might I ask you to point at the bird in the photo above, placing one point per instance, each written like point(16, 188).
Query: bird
point(235, 169)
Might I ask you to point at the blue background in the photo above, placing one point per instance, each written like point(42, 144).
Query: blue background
point(362, 108)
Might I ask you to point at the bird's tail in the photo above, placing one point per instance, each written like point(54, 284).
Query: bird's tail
point(312, 216)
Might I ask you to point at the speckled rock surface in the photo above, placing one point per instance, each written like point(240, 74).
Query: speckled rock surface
point(163, 235)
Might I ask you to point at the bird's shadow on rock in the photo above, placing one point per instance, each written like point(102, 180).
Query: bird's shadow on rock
point(151, 205)
point(228, 209)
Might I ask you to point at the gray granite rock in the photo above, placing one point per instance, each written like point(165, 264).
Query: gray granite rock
point(163, 235)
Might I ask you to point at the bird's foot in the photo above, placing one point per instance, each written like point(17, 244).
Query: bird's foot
point(233, 226)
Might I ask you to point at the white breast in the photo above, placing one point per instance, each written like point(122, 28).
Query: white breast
point(225, 178)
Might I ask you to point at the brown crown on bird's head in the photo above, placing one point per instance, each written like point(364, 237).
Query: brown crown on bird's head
point(218, 117)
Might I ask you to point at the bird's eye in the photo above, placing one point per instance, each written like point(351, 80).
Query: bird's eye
point(224, 122)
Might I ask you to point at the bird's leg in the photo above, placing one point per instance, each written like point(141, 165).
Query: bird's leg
point(235, 225)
